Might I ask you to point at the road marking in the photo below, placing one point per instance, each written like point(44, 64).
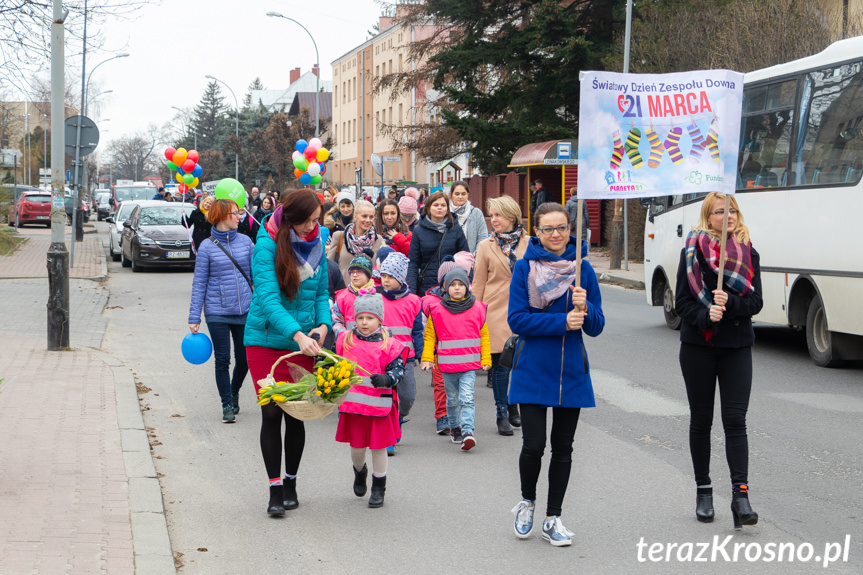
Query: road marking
point(826, 401)
point(628, 396)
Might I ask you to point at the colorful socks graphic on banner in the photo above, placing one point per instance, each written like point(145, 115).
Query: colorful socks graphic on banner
point(672, 144)
point(631, 148)
point(698, 142)
point(713, 140)
point(617, 154)
point(656, 148)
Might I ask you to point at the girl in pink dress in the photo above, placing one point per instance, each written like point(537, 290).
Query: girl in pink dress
point(369, 417)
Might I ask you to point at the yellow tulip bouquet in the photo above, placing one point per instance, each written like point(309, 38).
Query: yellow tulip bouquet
point(331, 378)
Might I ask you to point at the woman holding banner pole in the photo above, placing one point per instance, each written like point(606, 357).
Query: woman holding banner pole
point(716, 338)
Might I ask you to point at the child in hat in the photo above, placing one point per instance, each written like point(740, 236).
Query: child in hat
point(359, 276)
point(456, 338)
point(369, 414)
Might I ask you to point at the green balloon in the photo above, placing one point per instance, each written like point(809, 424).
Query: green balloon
point(172, 166)
point(188, 179)
point(301, 163)
point(231, 189)
point(316, 180)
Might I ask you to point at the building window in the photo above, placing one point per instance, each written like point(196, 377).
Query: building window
point(377, 71)
point(391, 66)
point(401, 114)
point(336, 99)
point(400, 62)
point(336, 142)
point(377, 123)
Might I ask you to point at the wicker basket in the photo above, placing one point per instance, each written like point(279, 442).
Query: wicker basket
point(302, 410)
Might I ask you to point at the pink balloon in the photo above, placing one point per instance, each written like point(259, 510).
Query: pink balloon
point(316, 143)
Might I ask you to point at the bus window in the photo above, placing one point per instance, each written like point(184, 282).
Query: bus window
point(830, 146)
point(765, 141)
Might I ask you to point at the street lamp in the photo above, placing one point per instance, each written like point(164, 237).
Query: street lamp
point(96, 96)
point(193, 130)
point(87, 86)
point(317, 76)
point(236, 128)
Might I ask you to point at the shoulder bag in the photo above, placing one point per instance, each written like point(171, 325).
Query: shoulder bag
point(236, 264)
point(420, 280)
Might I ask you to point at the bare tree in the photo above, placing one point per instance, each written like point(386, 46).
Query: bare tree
point(134, 157)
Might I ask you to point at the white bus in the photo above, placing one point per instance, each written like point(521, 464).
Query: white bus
point(799, 188)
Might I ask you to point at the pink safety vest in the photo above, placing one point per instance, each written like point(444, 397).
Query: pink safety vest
point(399, 316)
point(428, 300)
point(459, 345)
point(345, 299)
point(365, 399)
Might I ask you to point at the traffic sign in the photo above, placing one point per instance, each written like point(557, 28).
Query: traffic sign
point(392, 159)
point(89, 135)
point(377, 164)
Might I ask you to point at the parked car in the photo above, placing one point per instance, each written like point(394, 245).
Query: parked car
point(33, 208)
point(115, 234)
point(155, 236)
point(84, 207)
point(9, 195)
point(104, 205)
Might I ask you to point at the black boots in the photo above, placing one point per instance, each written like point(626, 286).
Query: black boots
point(741, 510)
point(276, 506)
point(704, 504)
point(360, 480)
point(503, 426)
point(514, 417)
point(379, 486)
point(290, 491)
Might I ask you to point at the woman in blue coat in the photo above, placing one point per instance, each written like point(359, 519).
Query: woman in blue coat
point(437, 235)
point(550, 367)
point(290, 312)
point(220, 288)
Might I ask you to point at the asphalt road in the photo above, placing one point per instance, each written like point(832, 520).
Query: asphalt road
point(631, 485)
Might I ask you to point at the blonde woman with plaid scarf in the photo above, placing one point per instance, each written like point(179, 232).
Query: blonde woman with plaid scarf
point(716, 338)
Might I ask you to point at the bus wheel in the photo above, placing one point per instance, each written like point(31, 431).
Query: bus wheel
point(672, 320)
point(818, 337)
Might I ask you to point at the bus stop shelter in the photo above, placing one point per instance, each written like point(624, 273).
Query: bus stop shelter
point(556, 163)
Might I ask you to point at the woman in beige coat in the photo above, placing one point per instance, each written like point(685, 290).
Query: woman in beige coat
point(358, 236)
point(495, 258)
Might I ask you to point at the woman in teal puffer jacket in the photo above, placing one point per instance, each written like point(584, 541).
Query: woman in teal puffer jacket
point(289, 312)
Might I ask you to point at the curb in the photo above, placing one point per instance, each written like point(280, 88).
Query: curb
point(150, 538)
point(609, 278)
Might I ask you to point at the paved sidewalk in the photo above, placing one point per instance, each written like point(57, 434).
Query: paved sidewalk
point(632, 278)
point(30, 259)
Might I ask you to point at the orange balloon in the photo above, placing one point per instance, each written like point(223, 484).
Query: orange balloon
point(298, 172)
point(180, 156)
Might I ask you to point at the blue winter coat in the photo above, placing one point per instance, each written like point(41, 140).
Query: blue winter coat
point(219, 287)
point(550, 366)
point(273, 319)
point(424, 243)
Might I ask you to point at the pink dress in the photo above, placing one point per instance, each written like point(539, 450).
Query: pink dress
point(366, 430)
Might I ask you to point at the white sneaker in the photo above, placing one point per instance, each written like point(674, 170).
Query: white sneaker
point(524, 518)
point(555, 533)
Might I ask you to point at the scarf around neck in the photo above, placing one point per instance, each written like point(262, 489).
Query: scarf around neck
point(462, 212)
point(368, 285)
point(548, 280)
point(403, 291)
point(508, 242)
point(458, 306)
point(738, 265)
point(308, 251)
point(356, 244)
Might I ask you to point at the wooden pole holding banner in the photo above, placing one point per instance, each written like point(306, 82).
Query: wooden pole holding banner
point(720, 281)
point(578, 235)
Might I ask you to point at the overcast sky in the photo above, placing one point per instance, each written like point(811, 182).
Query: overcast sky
point(173, 45)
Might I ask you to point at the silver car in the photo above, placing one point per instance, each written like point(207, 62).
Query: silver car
point(121, 214)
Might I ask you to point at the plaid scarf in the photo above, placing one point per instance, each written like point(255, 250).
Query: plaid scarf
point(507, 242)
point(356, 244)
point(309, 252)
point(737, 276)
point(548, 280)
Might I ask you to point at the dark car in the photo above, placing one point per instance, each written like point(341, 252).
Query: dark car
point(155, 235)
point(104, 205)
point(33, 208)
point(84, 207)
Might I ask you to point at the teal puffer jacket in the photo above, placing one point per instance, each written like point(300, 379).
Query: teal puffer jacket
point(273, 320)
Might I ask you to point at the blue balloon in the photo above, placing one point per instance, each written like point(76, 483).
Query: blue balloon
point(301, 146)
point(323, 168)
point(306, 179)
point(197, 348)
point(198, 171)
point(180, 170)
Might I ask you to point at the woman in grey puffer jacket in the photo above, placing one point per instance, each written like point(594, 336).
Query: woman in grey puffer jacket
point(220, 288)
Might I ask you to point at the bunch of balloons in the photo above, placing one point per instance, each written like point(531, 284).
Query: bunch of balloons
point(309, 161)
point(187, 167)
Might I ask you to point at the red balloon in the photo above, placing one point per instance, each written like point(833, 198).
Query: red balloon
point(189, 166)
point(183, 188)
point(193, 155)
point(169, 154)
point(311, 154)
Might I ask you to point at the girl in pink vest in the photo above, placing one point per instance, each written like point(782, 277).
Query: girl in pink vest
point(404, 320)
point(360, 272)
point(369, 414)
point(456, 336)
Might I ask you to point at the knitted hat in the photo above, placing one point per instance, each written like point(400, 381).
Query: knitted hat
point(454, 274)
point(408, 205)
point(369, 302)
point(362, 263)
point(341, 196)
point(464, 260)
point(446, 264)
point(396, 265)
point(412, 193)
point(383, 254)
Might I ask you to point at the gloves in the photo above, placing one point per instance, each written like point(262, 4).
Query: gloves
point(380, 380)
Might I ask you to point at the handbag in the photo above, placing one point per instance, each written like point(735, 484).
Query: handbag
point(221, 247)
point(421, 278)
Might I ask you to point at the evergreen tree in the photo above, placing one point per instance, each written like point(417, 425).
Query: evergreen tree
point(210, 120)
point(255, 85)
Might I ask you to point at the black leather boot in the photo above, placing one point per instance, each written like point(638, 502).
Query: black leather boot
point(514, 417)
point(360, 480)
point(290, 491)
point(379, 487)
point(742, 511)
point(276, 506)
point(704, 504)
point(503, 426)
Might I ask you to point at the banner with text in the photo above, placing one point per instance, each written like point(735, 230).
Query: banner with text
point(643, 135)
